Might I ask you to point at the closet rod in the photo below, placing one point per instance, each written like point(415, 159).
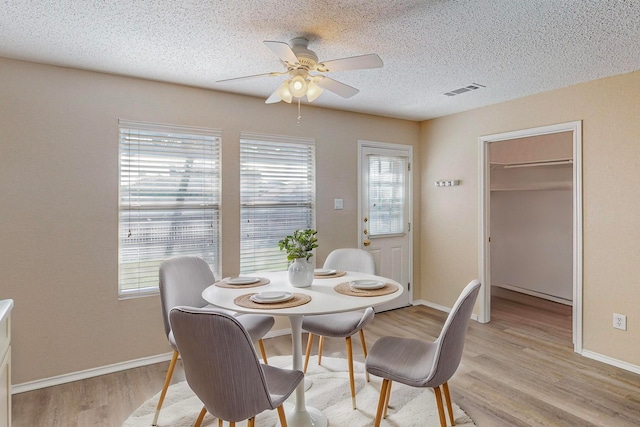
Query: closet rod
point(545, 163)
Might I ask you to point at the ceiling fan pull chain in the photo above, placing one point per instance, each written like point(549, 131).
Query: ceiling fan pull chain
point(299, 116)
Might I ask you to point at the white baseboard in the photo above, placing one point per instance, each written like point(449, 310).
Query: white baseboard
point(535, 294)
point(611, 361)
point(586, 353)
point(109, 369)
point(439, 307)
point(145, 361)
point(89, 373)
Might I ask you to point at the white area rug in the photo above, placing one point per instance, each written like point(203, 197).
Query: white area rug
point(330, 392)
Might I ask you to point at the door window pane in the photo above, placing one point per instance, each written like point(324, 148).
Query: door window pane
point(386, 194)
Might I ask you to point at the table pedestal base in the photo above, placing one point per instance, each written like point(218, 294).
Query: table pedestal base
point(299, 415)
point(311, 417)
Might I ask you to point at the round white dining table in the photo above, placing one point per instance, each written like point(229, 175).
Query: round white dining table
point(324, 300)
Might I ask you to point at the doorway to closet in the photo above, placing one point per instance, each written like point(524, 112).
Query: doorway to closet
point(531, 206)
point(530, 218)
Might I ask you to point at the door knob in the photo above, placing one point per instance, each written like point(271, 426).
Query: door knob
point(366, 242)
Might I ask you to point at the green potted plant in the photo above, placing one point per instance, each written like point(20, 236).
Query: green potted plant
point(300, 244)
point(299, 248)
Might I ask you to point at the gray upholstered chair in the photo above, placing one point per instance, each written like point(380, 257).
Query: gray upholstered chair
point(182, 280)
point(424, 364)
point(342, 325)
point(223, 370)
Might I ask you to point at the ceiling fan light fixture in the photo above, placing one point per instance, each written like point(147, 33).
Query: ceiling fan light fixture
point(298, 86)
point(284, 93)
point(313, 91)
point(300, 62)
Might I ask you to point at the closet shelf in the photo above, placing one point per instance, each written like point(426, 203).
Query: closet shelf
point(552, 162)
point(538, 187)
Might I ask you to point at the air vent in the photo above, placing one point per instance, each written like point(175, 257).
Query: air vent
point(472, 86)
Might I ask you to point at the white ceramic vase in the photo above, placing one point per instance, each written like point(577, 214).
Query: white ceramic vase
point(300, 273)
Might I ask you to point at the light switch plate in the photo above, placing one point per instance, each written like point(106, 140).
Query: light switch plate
point(337, 204)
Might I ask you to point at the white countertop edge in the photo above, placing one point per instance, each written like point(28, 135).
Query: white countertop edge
point(5, 308)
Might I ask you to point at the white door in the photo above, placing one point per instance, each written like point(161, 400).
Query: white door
point(385, 212)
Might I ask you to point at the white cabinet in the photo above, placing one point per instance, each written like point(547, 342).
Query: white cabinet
point(5, 362)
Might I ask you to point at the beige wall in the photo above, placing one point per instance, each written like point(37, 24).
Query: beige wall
point(609, 110)
point(532, 240)
point(59, 210)
point(59, 180)
point(537, 148)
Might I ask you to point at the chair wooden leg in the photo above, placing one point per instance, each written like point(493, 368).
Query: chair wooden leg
point(283, 419)
point(443, 420)
point(447, 399)
point(364, 350)
point(251, 422)
point(232, 424)
point(383, 398)
point(201, 415)
point(320, 345)
point(264, 353)
point(386, 401)
point(351, 379)
point(167, 380)
point(306, 357)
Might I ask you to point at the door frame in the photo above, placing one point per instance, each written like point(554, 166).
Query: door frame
point(484, 193)
point(390, 146)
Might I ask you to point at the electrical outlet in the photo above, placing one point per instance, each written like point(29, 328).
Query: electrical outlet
point(620, 321)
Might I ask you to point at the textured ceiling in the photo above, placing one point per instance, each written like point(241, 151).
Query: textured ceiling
point(513, 47)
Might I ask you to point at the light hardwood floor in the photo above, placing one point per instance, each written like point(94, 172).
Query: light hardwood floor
point(518, 370)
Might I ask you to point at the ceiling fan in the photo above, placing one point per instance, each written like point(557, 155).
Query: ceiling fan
point(307, 75)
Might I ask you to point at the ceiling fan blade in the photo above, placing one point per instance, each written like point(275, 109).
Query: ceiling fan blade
point(337, 87)
point(283, 51)
point(353, 63)
point(272, 74)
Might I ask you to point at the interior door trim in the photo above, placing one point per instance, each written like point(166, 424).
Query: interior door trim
point(484, 218)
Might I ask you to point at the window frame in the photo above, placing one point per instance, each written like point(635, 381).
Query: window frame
point(284, 173)
point(166, 155)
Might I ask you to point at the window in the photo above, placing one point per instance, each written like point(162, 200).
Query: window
point(169, 200)
point(277, 196)
point(386, 194)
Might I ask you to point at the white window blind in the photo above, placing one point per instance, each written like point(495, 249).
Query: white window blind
point(277, 196)
point(169, 200)
point(386, 194)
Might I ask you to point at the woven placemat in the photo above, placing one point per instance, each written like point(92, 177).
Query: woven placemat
point(345, 289)
point(298, 299)
point(223, 284)
point(338, 273)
